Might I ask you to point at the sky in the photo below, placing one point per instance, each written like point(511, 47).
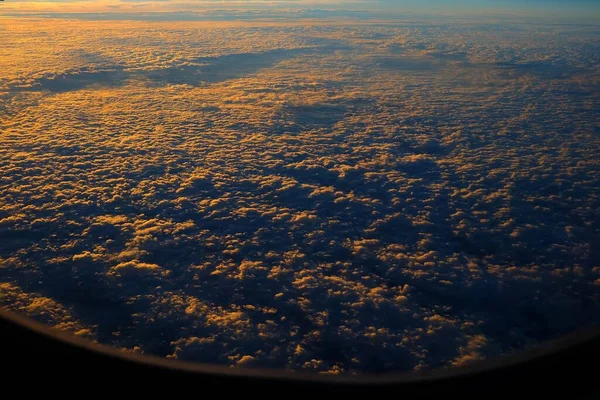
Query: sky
point(588, 10)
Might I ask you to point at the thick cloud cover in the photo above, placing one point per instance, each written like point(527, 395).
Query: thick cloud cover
point(325, 196)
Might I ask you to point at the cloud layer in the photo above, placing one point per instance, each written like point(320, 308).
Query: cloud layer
point(325, 196)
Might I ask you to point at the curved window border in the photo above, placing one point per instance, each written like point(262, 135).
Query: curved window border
point(567, 363)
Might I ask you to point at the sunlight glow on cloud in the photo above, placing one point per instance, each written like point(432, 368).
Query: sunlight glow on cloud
point(322, 195)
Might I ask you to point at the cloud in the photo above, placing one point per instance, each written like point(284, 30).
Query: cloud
point(329, 196)
point(135, 268)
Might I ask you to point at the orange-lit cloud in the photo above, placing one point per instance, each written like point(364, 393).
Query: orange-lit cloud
point(322, 195)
